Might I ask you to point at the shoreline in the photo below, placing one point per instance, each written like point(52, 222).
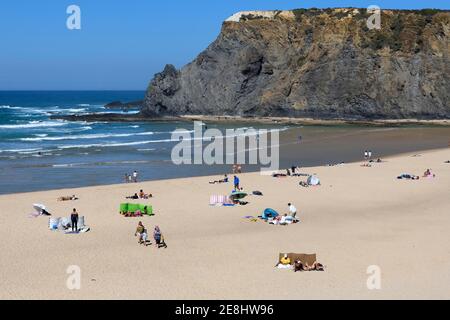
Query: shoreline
point(392, 156)
point(114, 117)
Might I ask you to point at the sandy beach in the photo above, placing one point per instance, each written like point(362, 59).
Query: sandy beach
point(358, 217)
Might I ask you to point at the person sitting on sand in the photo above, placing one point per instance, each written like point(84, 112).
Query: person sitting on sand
point(143, 195)
point(141, 232)
point(292, 210)
point(284, 263)
point(428, 174)
point(299, 266)
point(69, 198)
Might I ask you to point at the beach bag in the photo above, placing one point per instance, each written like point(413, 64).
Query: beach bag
point(53, 223)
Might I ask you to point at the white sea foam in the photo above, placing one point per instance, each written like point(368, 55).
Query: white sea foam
point(31, 150)
point(33, 124)
point(86, 136)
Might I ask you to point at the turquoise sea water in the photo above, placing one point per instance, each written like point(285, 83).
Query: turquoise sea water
point(39, 153)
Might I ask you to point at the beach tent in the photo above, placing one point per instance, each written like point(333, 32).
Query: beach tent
point(238, 195)
point(269, 213)
point(133, 207)
point(313, 181)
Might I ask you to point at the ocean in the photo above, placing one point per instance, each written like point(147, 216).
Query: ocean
point(37, 153)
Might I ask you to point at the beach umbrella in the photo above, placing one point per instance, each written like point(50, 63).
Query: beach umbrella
point(39, 208)
point(238, 195)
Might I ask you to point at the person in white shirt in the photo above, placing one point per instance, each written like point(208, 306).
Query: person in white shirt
point(135, 175)
point(292, 210)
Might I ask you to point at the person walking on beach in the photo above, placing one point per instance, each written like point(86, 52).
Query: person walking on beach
point(135, 176)
point(366, 155)
point(159, 238)
point(370, 154)
point(141, 233)
point(236, 183)
point(74, 219)
point(127, 178)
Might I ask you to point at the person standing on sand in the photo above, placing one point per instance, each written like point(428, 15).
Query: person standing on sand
point(135, 176)
point(366, 155)
point(236, 183)
point(74, 218)
point(127, 178)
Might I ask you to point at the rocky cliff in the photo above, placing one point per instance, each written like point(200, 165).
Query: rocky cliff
point(315, 63)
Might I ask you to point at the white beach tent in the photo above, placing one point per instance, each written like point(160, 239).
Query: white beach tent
point(313, 181)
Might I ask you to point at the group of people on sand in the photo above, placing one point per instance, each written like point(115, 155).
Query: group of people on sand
point(140, 195)
point(130, 178)
point(142, 234)
point(237, 169)
point(298, 265)
point(287, 218)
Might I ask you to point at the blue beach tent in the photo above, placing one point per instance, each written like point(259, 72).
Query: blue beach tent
point(269, 213)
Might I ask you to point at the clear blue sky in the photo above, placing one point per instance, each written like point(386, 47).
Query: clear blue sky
point(122, 43)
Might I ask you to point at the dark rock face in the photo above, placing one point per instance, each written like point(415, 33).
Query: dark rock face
point(315, 63)
point(124, 105)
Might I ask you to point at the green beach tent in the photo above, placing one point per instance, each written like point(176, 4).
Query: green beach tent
point(133, 207)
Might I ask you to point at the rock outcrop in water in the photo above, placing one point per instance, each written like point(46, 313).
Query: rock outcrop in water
point(315, 63)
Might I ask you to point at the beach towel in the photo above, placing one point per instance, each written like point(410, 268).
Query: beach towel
point(305, 258)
